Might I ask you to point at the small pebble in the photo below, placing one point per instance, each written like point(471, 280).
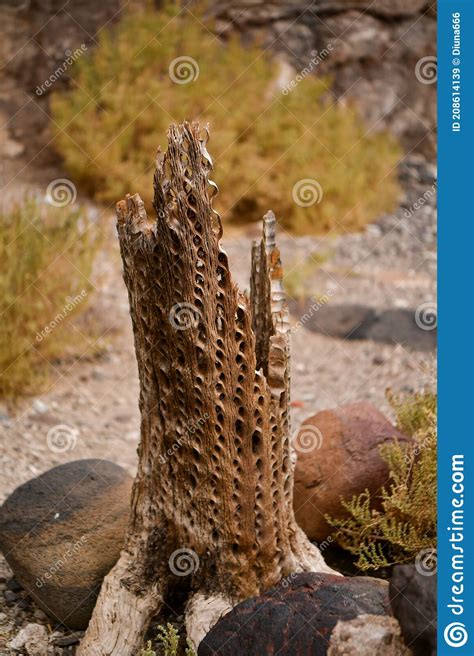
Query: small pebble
point(71, 639)
point(40, 615)
point(13, 585)
point(40, 407)
point(10, 597)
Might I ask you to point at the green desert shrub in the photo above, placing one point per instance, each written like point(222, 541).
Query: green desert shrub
point(168, 643)
point(47, 255)
point(405, 524)
point(157, 67)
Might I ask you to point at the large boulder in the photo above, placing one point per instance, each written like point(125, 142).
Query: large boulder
point(63, 531)
point(295, 618)
point(412, 594)
point(338, 456)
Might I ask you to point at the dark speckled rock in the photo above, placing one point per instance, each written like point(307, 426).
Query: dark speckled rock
point(295, 618)
point(413, 601)
point(62, 532)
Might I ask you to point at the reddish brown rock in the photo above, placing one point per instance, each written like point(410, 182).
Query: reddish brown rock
point(338, 456)
point(297, 617)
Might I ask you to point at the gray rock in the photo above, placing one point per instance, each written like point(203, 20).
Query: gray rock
point(63, 531)
point(413, 602)
point(370, 62)
point(33, 638)
point(11, 597)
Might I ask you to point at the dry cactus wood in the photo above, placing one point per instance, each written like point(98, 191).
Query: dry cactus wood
point(213, 492)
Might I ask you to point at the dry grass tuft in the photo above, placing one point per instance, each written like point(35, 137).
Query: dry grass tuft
point(47, 255)
point(265, 143)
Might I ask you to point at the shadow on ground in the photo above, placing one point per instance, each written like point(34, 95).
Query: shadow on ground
point(353, 321)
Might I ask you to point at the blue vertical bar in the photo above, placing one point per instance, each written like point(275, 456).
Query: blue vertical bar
point(456, 327)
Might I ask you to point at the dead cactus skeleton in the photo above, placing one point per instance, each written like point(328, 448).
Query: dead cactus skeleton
point(212, 501)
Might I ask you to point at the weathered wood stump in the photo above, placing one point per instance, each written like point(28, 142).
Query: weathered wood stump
point(212, 501)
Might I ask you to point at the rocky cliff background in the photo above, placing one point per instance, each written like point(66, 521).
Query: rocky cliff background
point(373, 48)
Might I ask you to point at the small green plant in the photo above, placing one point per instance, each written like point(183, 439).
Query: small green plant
point(148, 651)
point(315, 163)
point(189, 651)
point(406, 523)
point(415, 413)
point(47, 255)
point(168, 639)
